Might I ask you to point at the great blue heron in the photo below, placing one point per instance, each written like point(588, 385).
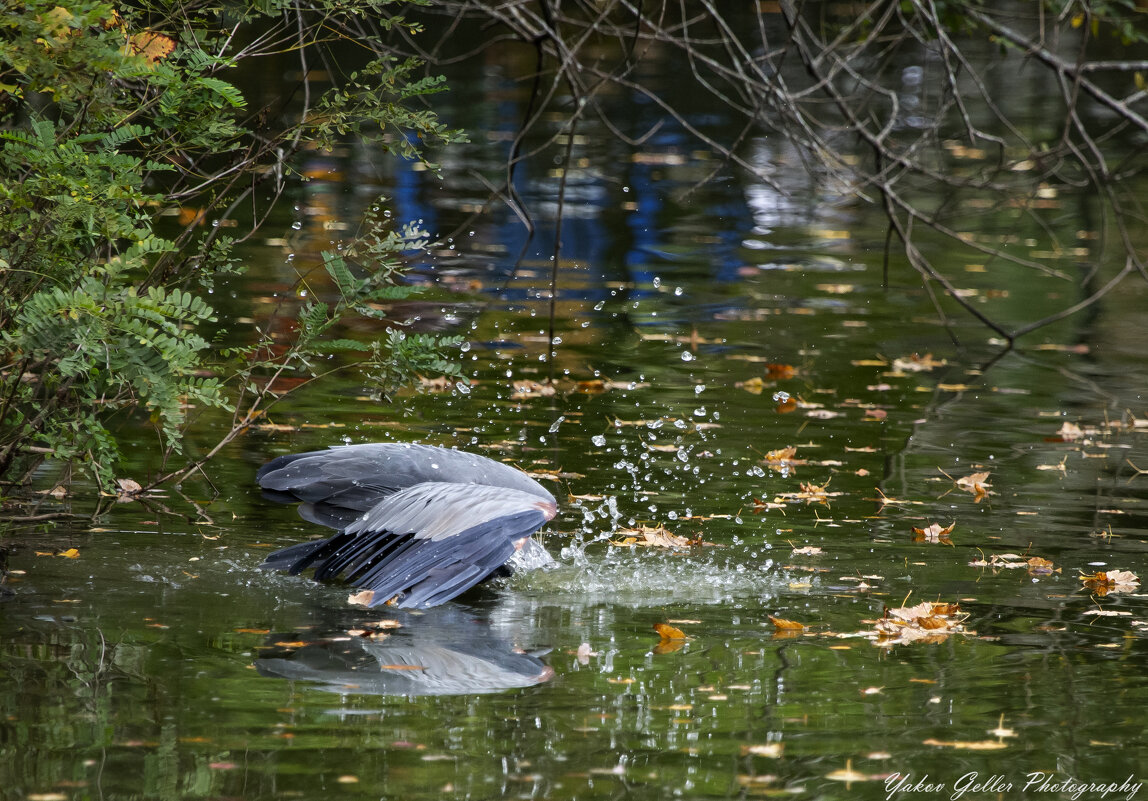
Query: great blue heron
point(417, 524)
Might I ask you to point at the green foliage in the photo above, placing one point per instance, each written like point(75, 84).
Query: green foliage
point(388, 362)
point(111, 117)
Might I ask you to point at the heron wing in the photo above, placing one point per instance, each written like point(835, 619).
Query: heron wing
point(339, 483)
point(425, 544)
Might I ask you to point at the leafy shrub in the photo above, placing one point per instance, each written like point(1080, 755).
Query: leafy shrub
point(108, 118)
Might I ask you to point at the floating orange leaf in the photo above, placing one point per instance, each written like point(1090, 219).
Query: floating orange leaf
point(1104, 582)
point(786, 625)
point(668, 632)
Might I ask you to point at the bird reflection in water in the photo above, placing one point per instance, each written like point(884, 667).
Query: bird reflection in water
point(449, 650)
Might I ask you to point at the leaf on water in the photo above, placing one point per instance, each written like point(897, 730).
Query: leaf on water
point(885, 500)
point(770, 750)
point(786, 625)
point(1070, 432)
point(1000, 731)
point(926, 622)
point(128, 488)
point(754, 386)
point(780, 371)
point(584, 653)
point(810, 493)
point(975, 483)
point(668, 632)
point(967, 745)
point(436, 386)
point(524, 389)
point(917, 363)
point(1104, 582)
point(70, 553)
point(363, 598)
point(1036, 565)
point(651, 537)
point(848, 775)
point(786, 405)
point(760, 506)
point(385, 624)
point(808, 550)
point(934, 533)
point(783, 456)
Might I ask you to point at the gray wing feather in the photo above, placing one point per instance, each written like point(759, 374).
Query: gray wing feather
point(435, 511)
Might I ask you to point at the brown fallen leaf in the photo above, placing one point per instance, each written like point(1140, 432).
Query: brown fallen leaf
point(651, 537)
point(1104, 582)
point(925, 622)
point(976, 484)
point(770, 750)
point(934, 533)
point(782, 456)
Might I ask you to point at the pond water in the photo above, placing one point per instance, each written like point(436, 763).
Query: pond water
point(707, 327)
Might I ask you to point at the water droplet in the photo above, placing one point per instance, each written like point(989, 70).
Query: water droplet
point(699, 389)
point(599, 440)
point(297, 225)
point(687, 356)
